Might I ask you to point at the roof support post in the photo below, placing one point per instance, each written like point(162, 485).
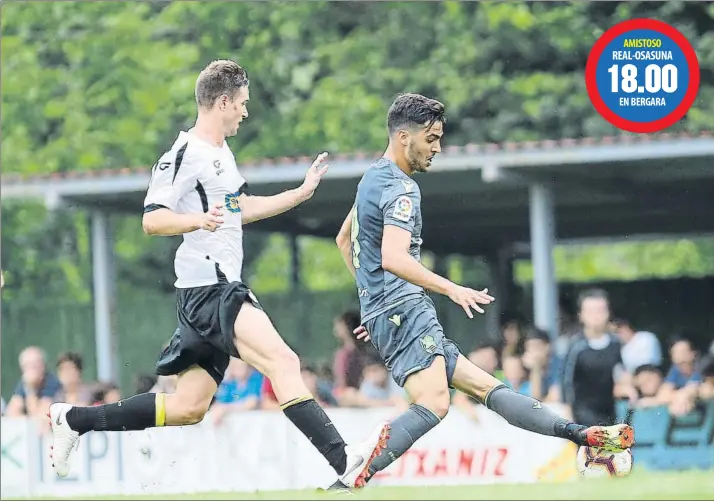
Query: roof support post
point(104, 302)
point(545, 288)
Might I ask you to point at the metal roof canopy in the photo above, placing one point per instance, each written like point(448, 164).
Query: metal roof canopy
point(475, 199)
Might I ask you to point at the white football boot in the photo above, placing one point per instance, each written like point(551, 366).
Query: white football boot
point(360, 457)
point(64, 439)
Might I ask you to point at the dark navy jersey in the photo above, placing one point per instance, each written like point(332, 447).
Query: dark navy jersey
point(385, 195)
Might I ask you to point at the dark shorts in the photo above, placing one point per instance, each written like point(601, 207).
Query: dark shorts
point(204, 336)
point(409, 337)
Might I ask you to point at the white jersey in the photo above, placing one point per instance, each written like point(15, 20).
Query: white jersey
point(190, 178)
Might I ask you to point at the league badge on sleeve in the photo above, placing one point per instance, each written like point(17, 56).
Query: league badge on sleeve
point(642, 75)
point(403, 208)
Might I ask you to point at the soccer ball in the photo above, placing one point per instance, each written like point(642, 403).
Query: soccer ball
point(595, 462)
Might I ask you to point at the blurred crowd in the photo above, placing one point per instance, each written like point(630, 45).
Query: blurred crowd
point(595, 361)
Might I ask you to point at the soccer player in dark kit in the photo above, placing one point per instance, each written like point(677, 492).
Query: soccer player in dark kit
point(380, 241)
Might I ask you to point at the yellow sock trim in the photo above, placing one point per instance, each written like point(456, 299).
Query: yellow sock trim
point(160, 409)
point(294, 401)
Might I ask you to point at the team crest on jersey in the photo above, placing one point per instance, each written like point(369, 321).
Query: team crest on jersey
point(231, 202)
point(217, 166)
point(428, 343)
point(403, 208)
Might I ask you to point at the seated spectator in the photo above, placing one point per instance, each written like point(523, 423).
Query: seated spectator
point(320, 391)
point(105, 393)
point(515, 374)
point(318, 386)
point(349, 360)
point(69, 372)
point(268, 400)
point(165, 384)
point(681, 386)
point(647, 380)
point(486, 357)
point(706, 391)
point(239, 390)
point(37, 389)
point(638, 347)
point(543, 366)
point(378, 389)
point(144, 383)
point(512, 338)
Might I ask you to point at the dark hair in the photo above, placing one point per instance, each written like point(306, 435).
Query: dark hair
point(684, 336)
point(351, 319)
point(414, 110)
point(144, 382)
point(219, 78)
point(648, 368)
point(100, 390)
point(591, 294)
point(73, 357)
point(621, 322)
point(536, 333)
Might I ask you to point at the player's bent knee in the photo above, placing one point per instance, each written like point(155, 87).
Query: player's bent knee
point(283, 362)
point(437, 402)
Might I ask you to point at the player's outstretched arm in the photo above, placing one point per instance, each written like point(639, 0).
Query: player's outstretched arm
point(255, 208)
point(165, 222)
point(344, 243)
point(397, 260)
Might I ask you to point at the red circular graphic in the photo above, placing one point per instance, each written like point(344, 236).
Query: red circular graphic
point(642, 24)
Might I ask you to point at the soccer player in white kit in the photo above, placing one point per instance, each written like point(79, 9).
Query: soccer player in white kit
point(196, 191)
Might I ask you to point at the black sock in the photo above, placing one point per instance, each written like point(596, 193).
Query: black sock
point(135, 413)
point(530, 414)
point(312, 421)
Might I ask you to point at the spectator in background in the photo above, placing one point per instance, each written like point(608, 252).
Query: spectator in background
point(706, 391)
point(239, 390)
point(349, 359)
point(515, 374)
point(37, 389)
point(144, 383)
point(589, 368)
point(512, 339)
point(377, 389)
point(486, 357)
point(105, 393)
point(69, 372)
point(638, 347)
point(543, 365)
point(320, 389)
point(647, 380)
point(165, 384)
point(681, 386)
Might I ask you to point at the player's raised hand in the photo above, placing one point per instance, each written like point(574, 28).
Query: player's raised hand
point(361, 333)
point(314, 174)
point(470, 299)
point(213, 219)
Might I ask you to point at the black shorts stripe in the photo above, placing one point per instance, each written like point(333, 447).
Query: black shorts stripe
point(179, 160)
point(202, 195)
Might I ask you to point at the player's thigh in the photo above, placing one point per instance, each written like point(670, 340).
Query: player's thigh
point(472, 380)
point(429, 387)
point(195, 389)
point(259, 344)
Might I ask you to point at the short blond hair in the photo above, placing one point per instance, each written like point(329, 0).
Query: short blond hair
point(220, 77)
